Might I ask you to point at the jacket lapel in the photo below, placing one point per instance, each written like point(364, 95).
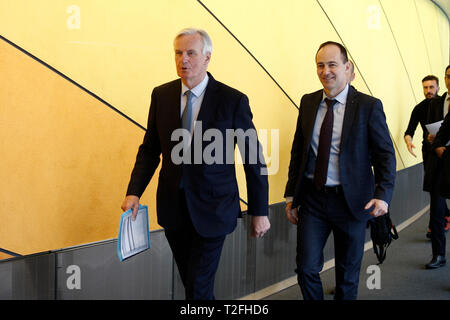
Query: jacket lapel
point(441, 104)
point(309, 116)
point(174, 107)
point(206, 109)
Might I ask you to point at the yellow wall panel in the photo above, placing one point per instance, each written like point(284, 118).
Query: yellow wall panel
point(275, 33)
point(73, 175)
point(429, 21)
point(409, 38)
point(122, 62)
point(443, 30)
point(270, 107)
point(66, 158)
point(69, 156)
point(408, 35)
point(118, 51)
point(365, 31)
point(4, 256)
point(272, 33)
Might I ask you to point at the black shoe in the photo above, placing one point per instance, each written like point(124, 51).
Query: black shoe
point(436, 262)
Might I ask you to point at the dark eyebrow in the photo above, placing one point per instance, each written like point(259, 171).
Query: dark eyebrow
point(327, 62)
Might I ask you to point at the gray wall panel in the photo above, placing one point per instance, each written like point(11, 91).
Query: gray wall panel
point(247, 264)
point(408, 197)
point(178, 289)
point(6, 281)
point(276, 251)
point(28, 278)
point(147, 275)
point(236, 272)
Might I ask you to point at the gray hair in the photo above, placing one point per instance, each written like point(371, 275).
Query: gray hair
point(207, 43)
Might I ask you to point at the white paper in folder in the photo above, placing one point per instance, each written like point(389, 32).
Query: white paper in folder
point(433, 128)
point(134, 236)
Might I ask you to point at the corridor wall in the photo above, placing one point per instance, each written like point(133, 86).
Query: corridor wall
point(76, 78)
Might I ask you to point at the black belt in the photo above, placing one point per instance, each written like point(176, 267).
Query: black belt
point(335, 189)
point(327, 189)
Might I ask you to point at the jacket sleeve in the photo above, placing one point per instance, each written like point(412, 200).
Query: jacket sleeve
point(382, 153)
point(413, 122)
point(148, 156)
point(296, 157)
point(254, 163)
point(443, 135)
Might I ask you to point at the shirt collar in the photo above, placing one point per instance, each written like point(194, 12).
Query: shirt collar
point(341, 97)
point(198, 89)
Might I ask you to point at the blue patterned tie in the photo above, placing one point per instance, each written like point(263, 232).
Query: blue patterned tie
point(186, 122)
point(186, 119)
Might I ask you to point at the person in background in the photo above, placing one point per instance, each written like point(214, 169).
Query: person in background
point(438, 109)
point(440, 147)
point(430, 85)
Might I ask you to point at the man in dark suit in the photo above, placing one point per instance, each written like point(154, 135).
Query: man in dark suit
point(340, 134)
point(440, 147)
point(419, 114)
point(198, 199)
point(439, 108)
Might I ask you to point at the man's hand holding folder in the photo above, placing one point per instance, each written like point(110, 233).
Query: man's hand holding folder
point(134, 236)
point(131, 202)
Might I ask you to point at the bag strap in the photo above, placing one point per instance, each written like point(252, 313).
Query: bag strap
point(394, 232)
point(380, 252)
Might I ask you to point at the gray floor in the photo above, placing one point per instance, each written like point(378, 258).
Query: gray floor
point(403, 273)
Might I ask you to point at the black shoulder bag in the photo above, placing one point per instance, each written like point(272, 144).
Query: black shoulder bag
point(382, 231)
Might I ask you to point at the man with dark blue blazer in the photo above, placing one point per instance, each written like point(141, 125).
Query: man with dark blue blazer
point(341, 133)
point(441, 140)
point(197, 195)
point(441, 149)
point(439, 108)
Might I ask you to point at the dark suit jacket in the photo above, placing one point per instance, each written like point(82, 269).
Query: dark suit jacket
point(211, 190)
point(442, 137)
point(433, 163)
point(365, 142)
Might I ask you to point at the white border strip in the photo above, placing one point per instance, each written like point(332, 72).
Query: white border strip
point(289, 282)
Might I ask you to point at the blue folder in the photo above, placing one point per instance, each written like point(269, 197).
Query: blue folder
point(134, 236)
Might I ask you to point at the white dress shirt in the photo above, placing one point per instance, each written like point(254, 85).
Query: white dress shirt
point(333, 176)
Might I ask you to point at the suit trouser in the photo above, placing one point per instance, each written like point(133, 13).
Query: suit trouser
point(438, 210)
point(197, 257)
point(438, 203)
point(320, 213)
